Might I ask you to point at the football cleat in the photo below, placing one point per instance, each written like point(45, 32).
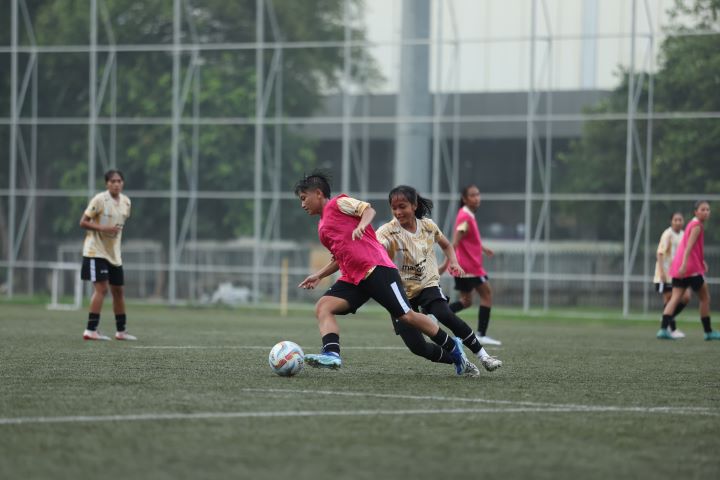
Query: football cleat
point(94, 335)
point(125, 336)
point(485, 340)
point(677, 334)
point(324, 360)
point(663, 334)
point(714, 335)
point(491, 363)
point(463, 366)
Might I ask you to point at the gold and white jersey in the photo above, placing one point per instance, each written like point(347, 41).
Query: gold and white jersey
point(105, 210)
point(669, 241)
point(413, 253)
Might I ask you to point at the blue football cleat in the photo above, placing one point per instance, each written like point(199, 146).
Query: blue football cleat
point(463, 366)
point(324, 360)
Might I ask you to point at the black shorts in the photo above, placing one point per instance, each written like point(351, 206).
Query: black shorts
point(100, 270)
point(663, 287)
point(694, 282)
point(383, 285)
point(468, 284)
point(426, 297)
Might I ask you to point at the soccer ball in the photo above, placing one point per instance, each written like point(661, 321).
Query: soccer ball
point(286, 359)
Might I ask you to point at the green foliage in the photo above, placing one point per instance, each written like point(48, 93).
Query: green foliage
point(686, 153)
point(227, 88)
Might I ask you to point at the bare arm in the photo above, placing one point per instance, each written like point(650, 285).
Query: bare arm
point(457, 236)
point(312, 280)
point(450, 258)
point(367, 217)
point(87, 223)
point(661, 269)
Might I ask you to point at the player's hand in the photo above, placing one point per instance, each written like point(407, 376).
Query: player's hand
point(310, 282)
point(681, 270)
point(705, 265)
point(111, 229)
point(357, 234)
point(488, 252)
point(456, 270)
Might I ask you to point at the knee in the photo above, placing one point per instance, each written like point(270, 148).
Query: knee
point(101, 289)
point(117, 291)
point(466, 300)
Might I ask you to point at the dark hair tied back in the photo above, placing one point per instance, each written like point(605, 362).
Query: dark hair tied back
point(424, 205)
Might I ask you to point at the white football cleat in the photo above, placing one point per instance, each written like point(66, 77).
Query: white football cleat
point(491, 363)
point(94, 335)
point(485, 340)
point(677, 334)
point(125, 336)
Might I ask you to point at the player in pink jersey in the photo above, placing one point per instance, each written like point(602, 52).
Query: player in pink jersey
point(469, 250)
point(367, 272)
point(687, 271)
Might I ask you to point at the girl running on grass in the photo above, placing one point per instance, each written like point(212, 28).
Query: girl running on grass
point(410, 240)
point(469, 249)
point(367, 272)
point(688, 271)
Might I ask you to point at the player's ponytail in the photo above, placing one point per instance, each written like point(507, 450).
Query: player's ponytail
point(424, 205)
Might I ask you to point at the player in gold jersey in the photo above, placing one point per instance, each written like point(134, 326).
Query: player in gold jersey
point(410, 240)
point(104, 219)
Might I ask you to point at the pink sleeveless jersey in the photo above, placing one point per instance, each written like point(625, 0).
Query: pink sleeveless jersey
point(469, 249)
point(354, 257)
point(695, 259)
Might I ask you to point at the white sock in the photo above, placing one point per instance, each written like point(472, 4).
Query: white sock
point(482, 353)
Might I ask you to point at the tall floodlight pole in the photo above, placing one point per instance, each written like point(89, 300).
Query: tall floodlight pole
point(346, 100)
point(172, 251)
point(530, 135)
point(259, 116)
point(628, 165)
point(13, 146)
point(412, 149)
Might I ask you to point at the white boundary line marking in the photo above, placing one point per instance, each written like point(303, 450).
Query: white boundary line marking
point(569, 407)
point(521, 407)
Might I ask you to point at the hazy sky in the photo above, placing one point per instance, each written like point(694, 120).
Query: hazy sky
point(504, 63)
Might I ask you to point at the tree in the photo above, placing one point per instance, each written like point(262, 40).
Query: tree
point(227, 89)
point(686, 153)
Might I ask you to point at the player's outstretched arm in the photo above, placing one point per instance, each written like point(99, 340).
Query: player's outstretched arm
point(312, 280)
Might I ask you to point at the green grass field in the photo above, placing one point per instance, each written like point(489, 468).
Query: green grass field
point(195, 398)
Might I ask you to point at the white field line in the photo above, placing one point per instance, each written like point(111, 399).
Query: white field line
point(552, 406)
point(521, 407)
point(321, 413)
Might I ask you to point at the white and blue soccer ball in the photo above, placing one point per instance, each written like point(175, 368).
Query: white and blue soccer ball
point(286, 359)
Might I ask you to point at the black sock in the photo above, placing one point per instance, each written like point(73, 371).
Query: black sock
point(93, 321)
point(120, 321)
point(678, 309)
point(456, 306)
point(706, 324)
point(483, 320)
point(331, 343)
point(665, 321)
point(444, 340)
point(472, 343)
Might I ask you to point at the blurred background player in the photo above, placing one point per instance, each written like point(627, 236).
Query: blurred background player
point(667, 247)
point(410, 240)
point(469, 249)
point(104, 219)
point(367, 272)
point(688, 270)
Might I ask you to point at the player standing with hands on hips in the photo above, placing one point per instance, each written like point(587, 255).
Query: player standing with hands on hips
point(688, 271)
point(104, 219)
